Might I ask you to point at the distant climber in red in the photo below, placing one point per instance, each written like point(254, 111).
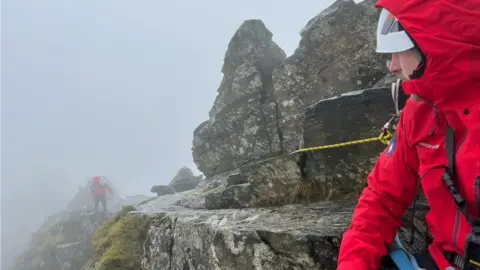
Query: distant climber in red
point(99, 189)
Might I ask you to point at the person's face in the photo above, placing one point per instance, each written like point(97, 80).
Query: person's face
point(403, 64)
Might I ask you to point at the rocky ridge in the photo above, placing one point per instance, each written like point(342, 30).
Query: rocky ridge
point(241, 216)
point(304, 93)
point(334, 88)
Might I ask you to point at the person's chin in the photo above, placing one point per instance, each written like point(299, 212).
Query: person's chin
point(403, 77)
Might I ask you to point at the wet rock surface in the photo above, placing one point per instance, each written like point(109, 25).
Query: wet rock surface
point(290, 237)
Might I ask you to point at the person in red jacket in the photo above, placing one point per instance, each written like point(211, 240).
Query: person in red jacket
point(435, 46)
point(99, 189)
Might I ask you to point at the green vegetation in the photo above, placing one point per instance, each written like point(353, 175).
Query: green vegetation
point(118, 243)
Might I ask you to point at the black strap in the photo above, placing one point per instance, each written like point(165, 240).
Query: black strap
point(450, 147)
point(454, 258)
point(449, 176)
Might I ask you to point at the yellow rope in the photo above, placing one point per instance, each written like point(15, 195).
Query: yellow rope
point(210, 191)
point(384, 138)
point(477, 264)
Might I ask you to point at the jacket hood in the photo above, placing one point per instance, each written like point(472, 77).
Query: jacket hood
point(448, 33)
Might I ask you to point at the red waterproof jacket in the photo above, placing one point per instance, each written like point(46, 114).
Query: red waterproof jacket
point(448, 32)
point(99, 188)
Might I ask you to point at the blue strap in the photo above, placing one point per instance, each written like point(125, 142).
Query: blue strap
point(401, 257)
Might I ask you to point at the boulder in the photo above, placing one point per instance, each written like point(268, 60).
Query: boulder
point(242, 125)
point(162, 190)
point(185, 180)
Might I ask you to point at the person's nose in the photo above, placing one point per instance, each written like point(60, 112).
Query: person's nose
point(394, 65)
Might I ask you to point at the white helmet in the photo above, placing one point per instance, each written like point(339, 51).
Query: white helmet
point(391, 37)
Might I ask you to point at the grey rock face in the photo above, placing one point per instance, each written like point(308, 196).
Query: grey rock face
point(342, 172)
point(291, 237)
point(288, 237)
point(242, 125)
point(62, 243)
point(261, 184)
point(260, 107)
point(338, 173)
point(336, 54)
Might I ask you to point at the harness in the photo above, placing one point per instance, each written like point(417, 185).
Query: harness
point(403, 259)
point(471, 257)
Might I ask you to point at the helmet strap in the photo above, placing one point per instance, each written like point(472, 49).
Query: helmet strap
point(399, 97)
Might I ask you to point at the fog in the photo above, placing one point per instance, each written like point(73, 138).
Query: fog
point(111, 88)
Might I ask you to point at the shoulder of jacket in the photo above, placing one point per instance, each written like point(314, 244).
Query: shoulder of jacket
point(417, 119)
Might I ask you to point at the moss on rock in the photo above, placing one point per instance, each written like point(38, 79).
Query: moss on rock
point(118, 243)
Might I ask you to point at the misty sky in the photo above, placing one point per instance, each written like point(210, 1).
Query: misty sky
point(114, 88)
point(117, 87)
